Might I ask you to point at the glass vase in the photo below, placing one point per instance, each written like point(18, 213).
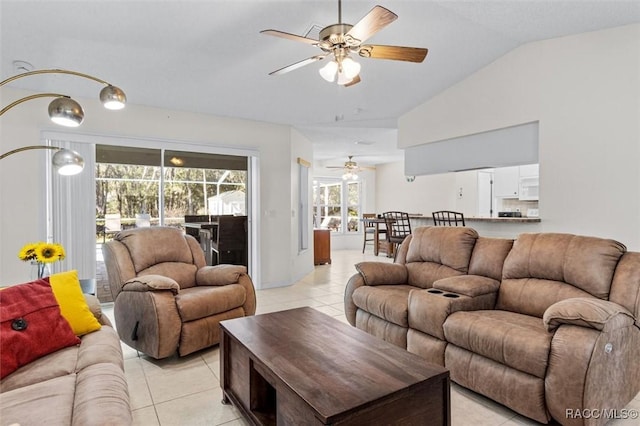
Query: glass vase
point(39, 270)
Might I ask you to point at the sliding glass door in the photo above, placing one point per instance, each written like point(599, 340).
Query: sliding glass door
point(138, 187)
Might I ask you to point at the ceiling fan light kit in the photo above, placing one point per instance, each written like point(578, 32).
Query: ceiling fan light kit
point(342, 39)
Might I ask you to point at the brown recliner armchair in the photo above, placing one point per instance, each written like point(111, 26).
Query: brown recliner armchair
point(166, 298)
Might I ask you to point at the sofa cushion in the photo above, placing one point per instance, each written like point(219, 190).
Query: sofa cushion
point(46, 402)
point(389, 302)
point(203, 301)
point(437, 252)
point(155, 245)
point(515, 340)
point(73, 306)
point(31, 325)
point(450, 246)
point(587, 263)
point(57, 364)
point(488, 257)
point(101, 346)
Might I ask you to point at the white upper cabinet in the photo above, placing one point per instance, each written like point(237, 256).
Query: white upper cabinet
point(529, 182)
point(506, 182)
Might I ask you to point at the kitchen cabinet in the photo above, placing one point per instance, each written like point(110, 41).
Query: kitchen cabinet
point(506, 182)
point(529, 183)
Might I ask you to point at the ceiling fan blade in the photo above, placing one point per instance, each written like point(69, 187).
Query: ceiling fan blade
point(289, 36)
point(396, 53)
point(355, 80)
point(374, 21)
point(297, 65)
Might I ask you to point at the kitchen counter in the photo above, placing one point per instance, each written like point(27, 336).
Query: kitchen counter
point(503, 219)
point(502, 227)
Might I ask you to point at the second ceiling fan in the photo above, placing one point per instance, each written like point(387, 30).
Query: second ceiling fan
point(337, 41)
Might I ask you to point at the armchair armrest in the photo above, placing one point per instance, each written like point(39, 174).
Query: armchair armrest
point(220, 274)
point(379, 273)
point(151, 283)
point(587, 312)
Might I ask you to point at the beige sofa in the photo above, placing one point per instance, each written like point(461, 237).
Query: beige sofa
point(166, 298)
point(547, 325)
point(80, 385)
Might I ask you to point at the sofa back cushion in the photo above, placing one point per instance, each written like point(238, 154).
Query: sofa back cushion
point(160, 251)
point(437, 252)
point(488, 257)
point(542, 269)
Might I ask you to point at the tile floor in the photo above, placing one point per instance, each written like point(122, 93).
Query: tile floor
point(186, 391)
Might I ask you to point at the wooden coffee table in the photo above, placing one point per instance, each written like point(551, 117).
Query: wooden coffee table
point(302, 367)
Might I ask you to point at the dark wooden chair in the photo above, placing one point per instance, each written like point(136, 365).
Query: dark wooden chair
point(229, 242)
point(448, 218)
point(398, 228)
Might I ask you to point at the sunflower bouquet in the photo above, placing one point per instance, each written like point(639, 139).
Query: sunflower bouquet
point(42, 253)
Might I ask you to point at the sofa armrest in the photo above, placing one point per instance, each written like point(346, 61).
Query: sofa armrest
point(379, 273)
point(220, 274)
point(588, 312)
point(151, 283)
point(94, 306)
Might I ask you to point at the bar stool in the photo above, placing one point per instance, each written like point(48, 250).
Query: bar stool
point(368, 229)
point(398, 228)
point(447, 218)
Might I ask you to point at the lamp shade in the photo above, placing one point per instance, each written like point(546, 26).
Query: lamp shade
point(328, 72)
point(350, 68)
point(113, 97)
point(66, 112)
point(67, 162)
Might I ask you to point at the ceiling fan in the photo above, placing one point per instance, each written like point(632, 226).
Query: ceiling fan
point(351, 169)
point(337, 41)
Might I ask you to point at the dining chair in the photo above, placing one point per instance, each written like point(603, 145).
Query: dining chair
point(398, 228)
point(448, 218)
point(368, 230)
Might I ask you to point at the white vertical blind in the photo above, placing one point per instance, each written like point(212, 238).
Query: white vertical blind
point(72, 216)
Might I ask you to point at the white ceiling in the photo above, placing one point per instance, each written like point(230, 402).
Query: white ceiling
point(208, 56)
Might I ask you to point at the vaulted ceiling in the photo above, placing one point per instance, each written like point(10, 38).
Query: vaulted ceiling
point(209, 57)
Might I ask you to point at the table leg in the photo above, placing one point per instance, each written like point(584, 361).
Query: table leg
point(376, 235)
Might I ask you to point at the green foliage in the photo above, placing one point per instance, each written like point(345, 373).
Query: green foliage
point(133, 189)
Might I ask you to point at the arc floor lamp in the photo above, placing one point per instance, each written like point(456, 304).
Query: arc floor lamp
point(66, 112)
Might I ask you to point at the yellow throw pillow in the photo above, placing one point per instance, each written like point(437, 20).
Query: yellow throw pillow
point(73, 307)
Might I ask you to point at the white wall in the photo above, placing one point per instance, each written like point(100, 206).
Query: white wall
point(585, 92)
point(424, 195)
point(22, 198)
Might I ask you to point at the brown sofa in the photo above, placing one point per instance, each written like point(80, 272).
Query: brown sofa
point(166, 298)
point(80, 385)
point(547, 325)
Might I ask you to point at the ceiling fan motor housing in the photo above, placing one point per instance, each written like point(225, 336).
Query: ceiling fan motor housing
point(336, 34)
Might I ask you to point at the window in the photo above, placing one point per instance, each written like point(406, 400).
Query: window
point(335, 203)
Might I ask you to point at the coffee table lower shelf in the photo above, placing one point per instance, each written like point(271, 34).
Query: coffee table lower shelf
point(276, 374)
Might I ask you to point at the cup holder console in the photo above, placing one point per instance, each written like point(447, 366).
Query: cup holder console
point(449, 295)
